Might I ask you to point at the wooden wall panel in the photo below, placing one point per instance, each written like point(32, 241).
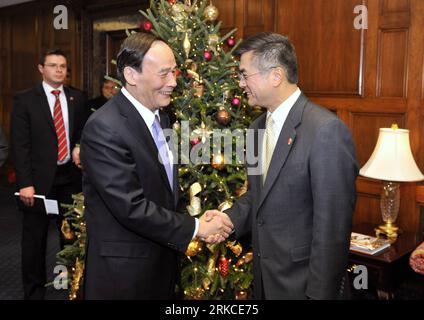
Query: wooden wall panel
point(392, 68)
point(323, 34)
point(365, 130)
point(395, 6)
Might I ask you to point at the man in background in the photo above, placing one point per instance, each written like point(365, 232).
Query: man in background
point(3, 147)
point(46, 125)
point(108, 90)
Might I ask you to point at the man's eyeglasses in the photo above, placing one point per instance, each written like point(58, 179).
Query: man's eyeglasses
point(243, 76)
point(54, 65)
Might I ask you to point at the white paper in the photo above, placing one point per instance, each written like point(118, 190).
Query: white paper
point(51, 206)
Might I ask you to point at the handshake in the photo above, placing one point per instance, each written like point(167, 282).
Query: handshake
point(214, 227)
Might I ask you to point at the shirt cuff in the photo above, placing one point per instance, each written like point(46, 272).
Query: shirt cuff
point(196, 228)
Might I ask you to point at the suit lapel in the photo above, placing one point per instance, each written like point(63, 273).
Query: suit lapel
point(71, 111)
point(285, 143)
point(44, 105)
point(141, 132)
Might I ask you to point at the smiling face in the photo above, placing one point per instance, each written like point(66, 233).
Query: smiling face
point(154, 85)
point(254, 82)
point(53, 70)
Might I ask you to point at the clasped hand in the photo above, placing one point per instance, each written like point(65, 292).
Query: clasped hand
point(214, 226)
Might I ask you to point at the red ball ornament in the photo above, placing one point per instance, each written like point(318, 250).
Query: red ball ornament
point(207, 55)
point(147, 25)
point(223, 266)
point(235, 102)
point(172, 2)
point(177, 72)
point(231, 42)
point(194, 141)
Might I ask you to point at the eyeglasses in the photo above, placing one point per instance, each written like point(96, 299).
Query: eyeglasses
point(54, 66)
point(244, 77)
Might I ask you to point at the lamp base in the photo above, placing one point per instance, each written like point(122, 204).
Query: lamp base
point(389, 231)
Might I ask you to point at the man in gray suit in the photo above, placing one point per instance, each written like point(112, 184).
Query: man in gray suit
point(299, 209)
point(3, 148)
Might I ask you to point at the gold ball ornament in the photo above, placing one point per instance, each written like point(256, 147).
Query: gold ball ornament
point(218, 161)
point(223, 117)
point(211, 13)
point(241, 295)
point(194, 248)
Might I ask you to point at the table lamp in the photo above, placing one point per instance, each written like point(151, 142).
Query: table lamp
point(391, 161)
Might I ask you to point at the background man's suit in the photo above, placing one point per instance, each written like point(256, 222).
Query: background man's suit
point(35, 156)
point(301, 217)
point(3, 147)
point(133, 230)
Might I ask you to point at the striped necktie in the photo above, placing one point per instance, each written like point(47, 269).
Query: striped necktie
point(62, 149)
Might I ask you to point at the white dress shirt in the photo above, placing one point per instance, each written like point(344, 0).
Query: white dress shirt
point(279, 116)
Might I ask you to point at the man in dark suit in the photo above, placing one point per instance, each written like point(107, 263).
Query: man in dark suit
point(130, 183)
point(3, 147)
point(46, 124)
point(108, 90)
point(299, 205)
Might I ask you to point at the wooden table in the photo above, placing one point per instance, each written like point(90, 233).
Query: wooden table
point(385, 268)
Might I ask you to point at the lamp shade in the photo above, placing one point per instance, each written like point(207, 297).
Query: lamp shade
point(392, 158)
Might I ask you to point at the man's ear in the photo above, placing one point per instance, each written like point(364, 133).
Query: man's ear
point(130, 75)
point(40, 68)
point(278, 76)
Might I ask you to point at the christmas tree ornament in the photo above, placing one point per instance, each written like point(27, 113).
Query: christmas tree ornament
point(227, 204)
point(241, 295)
point(242, 190)
point(206, 283)
point(172, 2)
point(211, 12)
point(210, 266)
point(186, 45)
point(194, 247)
point(231, 41)
point(222, 116)
point(177, 72)
point(240, 262)
point(194, 141)
point(248, 257)
point(176, 126)
point(203, 132)
point(235, 247)
point(218, 161)
point(195, 207)
point(147, 25)
point(223, 266)
point(235, 101)
point(199, 89)
point(207, 55)
point(213, 40)
point(66, 230)
point(179, 16)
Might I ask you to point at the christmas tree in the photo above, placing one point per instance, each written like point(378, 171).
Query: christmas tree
point(209, 102)
point(207, 107)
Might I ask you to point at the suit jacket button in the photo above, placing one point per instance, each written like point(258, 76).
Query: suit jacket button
point(258, 254)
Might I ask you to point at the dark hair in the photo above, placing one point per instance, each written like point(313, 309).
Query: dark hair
point(132, 52)
point(271, 50)
point(49, 52)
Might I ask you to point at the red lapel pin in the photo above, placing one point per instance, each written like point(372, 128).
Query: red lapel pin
point(289, 142)
point(71, 98)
